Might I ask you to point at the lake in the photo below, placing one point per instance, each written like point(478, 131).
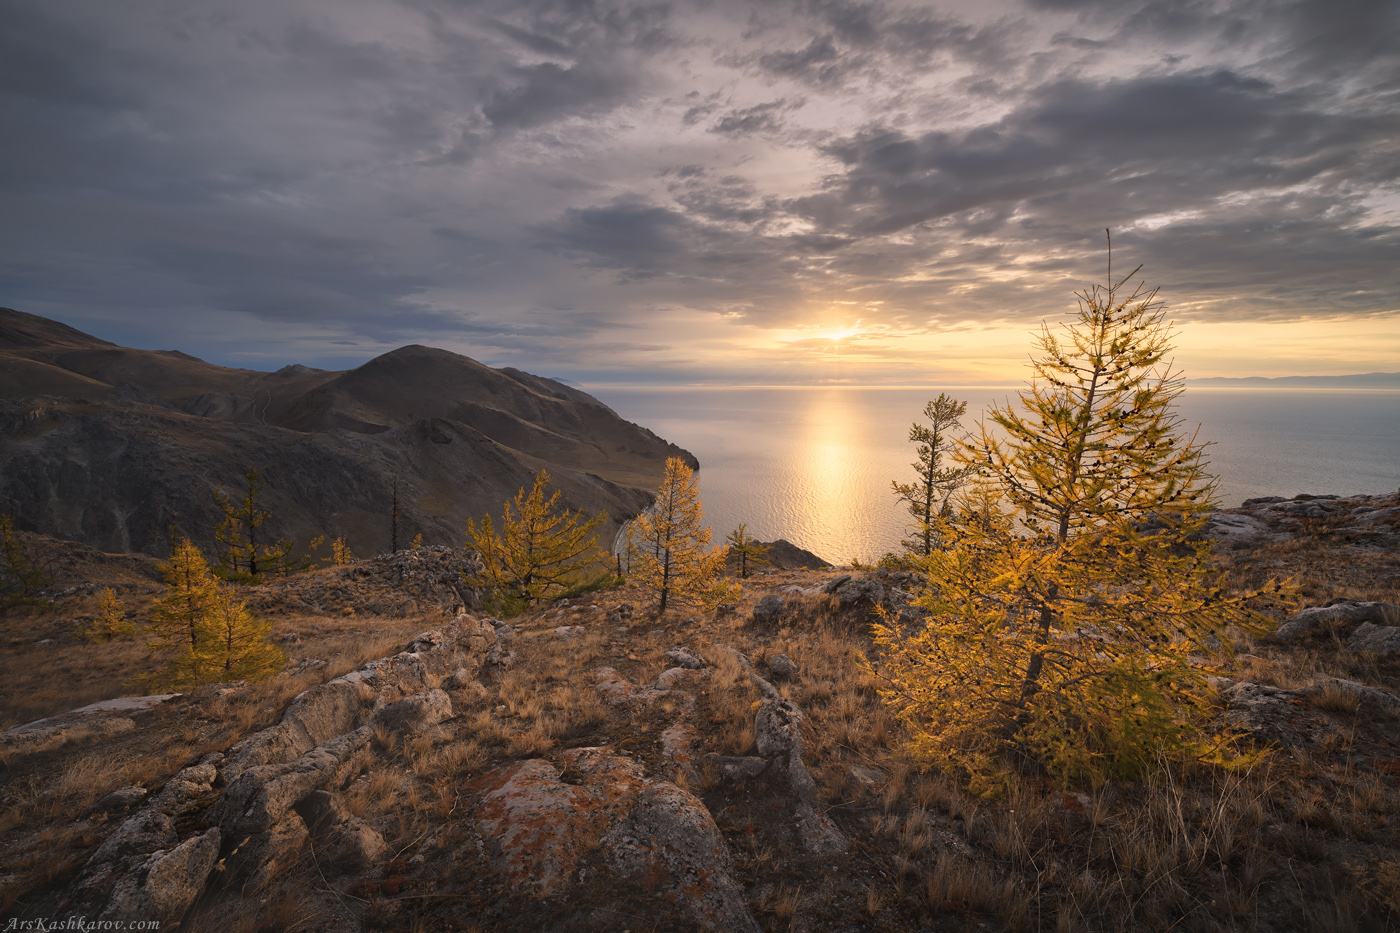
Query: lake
point(814, 464)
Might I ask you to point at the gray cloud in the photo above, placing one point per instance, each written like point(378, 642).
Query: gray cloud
point(525, 181)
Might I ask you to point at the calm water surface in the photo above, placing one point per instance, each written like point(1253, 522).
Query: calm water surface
point(814, 465)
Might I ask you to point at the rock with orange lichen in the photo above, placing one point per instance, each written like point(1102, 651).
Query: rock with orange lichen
point(552, 826)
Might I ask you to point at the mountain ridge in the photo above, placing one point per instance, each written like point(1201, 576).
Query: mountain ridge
point(112, 445)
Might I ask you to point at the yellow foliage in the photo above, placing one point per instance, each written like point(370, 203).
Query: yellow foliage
point(1073, 598)
point(668, 544)
point(213, 633)
point(541, 549)
point(111, 621)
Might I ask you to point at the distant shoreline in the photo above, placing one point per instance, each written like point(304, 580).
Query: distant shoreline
point(1354, 381)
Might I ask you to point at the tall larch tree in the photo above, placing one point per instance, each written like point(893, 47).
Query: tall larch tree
point(1074, 594)
point(668, 544)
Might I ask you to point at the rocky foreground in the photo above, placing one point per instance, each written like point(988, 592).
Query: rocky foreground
point(588, 767)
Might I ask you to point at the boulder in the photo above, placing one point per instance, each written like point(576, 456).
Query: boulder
point(1383, 640)
point(261, 796)
point(539, 823)
point(120, 799)
point(780, 665)
point(415, 713)
point(855, 591)
point(1337, 614)
point(682, 657)
point(166, 884)
point(768, 610)
point(669, 844)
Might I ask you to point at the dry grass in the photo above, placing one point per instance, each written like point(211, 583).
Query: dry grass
point(1190, 847)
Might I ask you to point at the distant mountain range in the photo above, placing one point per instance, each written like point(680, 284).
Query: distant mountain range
point(111, 446)
point(1355, 381)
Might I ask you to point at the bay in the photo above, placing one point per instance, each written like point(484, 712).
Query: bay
point(814, 464)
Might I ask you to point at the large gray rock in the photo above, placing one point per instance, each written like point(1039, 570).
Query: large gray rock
point(263, 795)
point(1337, 614)
point(539, 829)
point(853, 591)
point(669, 843)
point(1383, 640)
point(317, 714)
point(415, 713)
point(166, 884)
point(768, 610)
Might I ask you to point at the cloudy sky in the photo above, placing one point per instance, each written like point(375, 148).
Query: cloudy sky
point(703, 190)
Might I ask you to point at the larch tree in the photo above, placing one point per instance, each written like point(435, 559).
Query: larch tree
point(1073, 595)
point(233, 645)
point(668, 544)
point(746, 551)
point(929, 497)
point(111, 622)
point(178, 615)
point(237, 534)
point(540, 550)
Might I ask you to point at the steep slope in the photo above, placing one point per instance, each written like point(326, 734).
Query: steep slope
point(113, 446)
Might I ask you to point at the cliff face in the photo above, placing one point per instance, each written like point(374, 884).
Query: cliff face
point(112, 446)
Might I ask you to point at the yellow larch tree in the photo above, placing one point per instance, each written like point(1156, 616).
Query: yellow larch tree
point(668, 544)
point(213, 634)
point(111, 621)
point(233, 644)
point(540, 551)
point(1071, 607)
point(190, 591)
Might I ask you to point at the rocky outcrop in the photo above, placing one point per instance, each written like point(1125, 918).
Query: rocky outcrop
point(545, 824)
point(1340, 616)
point(1363, 520)
point(166, 884)
point(108, 717)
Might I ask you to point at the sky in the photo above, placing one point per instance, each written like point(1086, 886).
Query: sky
point(704, 191)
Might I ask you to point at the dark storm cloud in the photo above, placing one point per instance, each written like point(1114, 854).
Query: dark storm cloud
point(534, 178)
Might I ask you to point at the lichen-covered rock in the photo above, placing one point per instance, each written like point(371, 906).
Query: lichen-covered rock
point(1340, 614)
point(415, 713)
point(855, 591)
point(1383, 640)
point(768, 610)
point(540, 822)
point(668, 844)
point(166, 884)
point(538, 827)
point(261, 796)
point(164, 887)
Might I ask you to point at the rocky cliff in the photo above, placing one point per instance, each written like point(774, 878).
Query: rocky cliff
point(112, 446)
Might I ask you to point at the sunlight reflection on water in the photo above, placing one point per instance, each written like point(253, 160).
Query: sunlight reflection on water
point(814, 464)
